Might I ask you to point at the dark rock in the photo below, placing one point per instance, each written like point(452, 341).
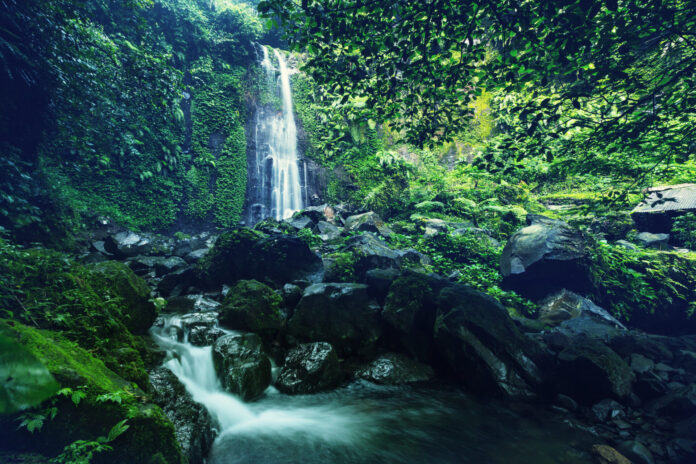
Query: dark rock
point(410, 310)
point(372, 252)
point(679, 404)
point(434, 227)
point(588, 370)
point(300, 222)
point(291, 295)
point(607, 409)
point(135, 293)
point(640, 364)
point(309, 368)
point(341, 314)
point(127, 244)
point(168, 265)
point(566, 402)
point(253, 306)
point(177, 283)
point(368, 222)
point(394, 369)
point(481, 345)
point(192, 424)
point(190, 304)
point(205, 320)
point(659, 241)
point(636, 452)
point(378, 282)
point(241, 365)
point(649, 386)
point(544, 257)
point(248, 254)
point(204, 336)
point(328, 231)
point(98, 247)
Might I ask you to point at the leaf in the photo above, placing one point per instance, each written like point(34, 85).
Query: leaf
point(117, 430)
point(25, 380)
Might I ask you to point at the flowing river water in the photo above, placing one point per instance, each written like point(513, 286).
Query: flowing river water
point(366, 423)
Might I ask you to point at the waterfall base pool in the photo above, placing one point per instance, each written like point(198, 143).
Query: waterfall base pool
point(365, 423)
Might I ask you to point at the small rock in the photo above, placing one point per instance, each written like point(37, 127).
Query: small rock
point(309, 368)
point(604, 454)
point(394, 369)
point(566, 402)
point(368, 222)
point(636, 452)
point(648, 239)
point(641, 364)
point(607, 409)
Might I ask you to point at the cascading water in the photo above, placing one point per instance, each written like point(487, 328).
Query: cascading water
point(276, 188)
point(364, 423)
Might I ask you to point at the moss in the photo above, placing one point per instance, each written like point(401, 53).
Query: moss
point(251, 305)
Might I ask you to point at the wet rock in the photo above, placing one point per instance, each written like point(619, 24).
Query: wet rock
point(140, 312)
point(341, 314)
point(589, 371)
point(177, 283)
point(328, 231)
point(367, 222)
point(636, 452)
point(242, 367)
point(546, 256)
point(168, 265)
point(127, 244)
point(604, 454)
point(248, 254)
point(309, 368)
point(253, 306)
point(378, 282)
point(650, 240)
point(300, 222)
point(205, 320)
point(291, 295)
point(204, 336)
point(192, 424)
point(481, 345)
point(394, 369)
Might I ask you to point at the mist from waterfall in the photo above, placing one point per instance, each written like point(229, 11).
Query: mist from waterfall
point(276, 187)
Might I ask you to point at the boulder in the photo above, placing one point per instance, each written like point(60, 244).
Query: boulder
point(248, 254)
point(395, 369)
point(636, 452)
point(143, 265)
point(135, 293)
point(378, 282)
point(196, 255)
point(253, 306)
point(589, 371)
point(409, 313)
point(241, 365)
point(204, 335)
point(339, 313)
point(328, 231)
point(309, 368)
point(373, 253)
point(481, 345)
point(192, 424)
point(291, 295)
point(367, 222)
point(299, 222)
point(198, 320)
point(650, 240)
point(177, 283)
point(573, 314)
point(168, 265)
point(546, 256)
point(127, 244)
point(678, 404)
point(185, 246)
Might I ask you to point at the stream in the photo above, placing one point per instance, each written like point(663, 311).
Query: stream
point(367, 423)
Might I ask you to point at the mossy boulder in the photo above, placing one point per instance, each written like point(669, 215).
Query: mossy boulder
point(253, 306)
point(249, 254)
point(140, 312)
point(106, 399)
point(342, 314)
point(242, 366)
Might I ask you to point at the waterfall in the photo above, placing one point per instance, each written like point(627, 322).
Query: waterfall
point(275, 184)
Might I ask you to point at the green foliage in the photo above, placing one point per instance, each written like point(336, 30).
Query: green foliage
point(310, 238)
point(684, 230)
point(342, 266)
point(642, 282)
point(25, 381)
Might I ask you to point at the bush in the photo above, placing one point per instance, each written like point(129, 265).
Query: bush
point(684, 231)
